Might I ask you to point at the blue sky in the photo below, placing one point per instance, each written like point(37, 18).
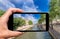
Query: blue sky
point(26, 5)
point(43, 5)
point(37, 16)
point(33, 17)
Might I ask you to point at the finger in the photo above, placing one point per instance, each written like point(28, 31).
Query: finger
point(2, 38)
point(15, 33)
point(9, 34)
point(9, 12)
point(12, 34)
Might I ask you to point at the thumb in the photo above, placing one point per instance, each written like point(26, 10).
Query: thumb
point(15, 33)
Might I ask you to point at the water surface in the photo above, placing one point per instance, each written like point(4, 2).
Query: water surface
point(35, 35)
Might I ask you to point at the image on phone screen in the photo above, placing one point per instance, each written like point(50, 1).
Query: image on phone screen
point(30, 21)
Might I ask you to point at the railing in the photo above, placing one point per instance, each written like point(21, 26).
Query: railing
point(54, 33)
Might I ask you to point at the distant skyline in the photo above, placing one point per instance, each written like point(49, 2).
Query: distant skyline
point(33, 17)
point(26, 5)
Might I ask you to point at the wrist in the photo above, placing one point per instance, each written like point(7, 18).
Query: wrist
point(2, 38)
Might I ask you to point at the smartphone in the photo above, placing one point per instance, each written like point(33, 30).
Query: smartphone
point(29, 22)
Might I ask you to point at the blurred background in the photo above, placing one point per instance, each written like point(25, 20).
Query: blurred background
point(50, 6)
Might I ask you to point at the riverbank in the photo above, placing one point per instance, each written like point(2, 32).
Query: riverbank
point(35, 35)
point(55, 32)
point(24, 27)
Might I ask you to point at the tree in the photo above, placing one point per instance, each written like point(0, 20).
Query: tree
point(18, 22)
point(1, 12)
point(42, 18)
point(30, 22)
point(52, 14)
point(39, 21)
point(54, 11)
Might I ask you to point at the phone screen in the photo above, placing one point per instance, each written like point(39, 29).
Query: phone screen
point(29, 21)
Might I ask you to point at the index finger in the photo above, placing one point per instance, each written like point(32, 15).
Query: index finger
point(9, 12)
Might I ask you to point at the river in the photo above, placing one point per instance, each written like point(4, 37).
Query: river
point(35, 35)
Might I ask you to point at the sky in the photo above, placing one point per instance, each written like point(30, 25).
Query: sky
point(26, 5)
point(33, 17)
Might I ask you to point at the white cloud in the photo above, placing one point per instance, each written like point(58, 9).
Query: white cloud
point(27, 17)
point(17, 1)
point(28, 5)
point(5, 4)
point(31, 17)
point(49, 0)
point(18, 15)
point(29, 9)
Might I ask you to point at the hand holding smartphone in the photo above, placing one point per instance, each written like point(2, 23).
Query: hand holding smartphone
point(29, 22)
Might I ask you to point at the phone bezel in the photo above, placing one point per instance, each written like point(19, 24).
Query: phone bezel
point(10, 22)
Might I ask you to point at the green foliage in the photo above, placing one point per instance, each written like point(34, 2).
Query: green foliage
point(1, 12)
point(39, 21)
point(42, 18)
point(18, 22)
point(54, 10)
point(30, 22)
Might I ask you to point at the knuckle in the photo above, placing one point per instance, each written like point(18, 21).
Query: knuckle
point(10, 9)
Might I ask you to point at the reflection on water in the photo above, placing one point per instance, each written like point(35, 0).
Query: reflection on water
point(43, 35)
point(35, 35)
point(35, 28)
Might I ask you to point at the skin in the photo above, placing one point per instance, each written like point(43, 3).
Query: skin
point(4, 31)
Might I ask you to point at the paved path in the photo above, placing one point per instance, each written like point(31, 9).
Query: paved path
point(55, 32)
point(24, 27)
point(57, 28)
